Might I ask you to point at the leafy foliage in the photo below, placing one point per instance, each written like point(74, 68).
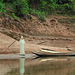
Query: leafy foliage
point(1, 6)
point(38, 8)
point(2, 9)
point(39, 14)
point(21, 7)
point(66, 6)
point(14, 16)
point(47, 5)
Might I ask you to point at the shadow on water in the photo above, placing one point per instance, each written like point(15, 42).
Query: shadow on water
point(42, 66)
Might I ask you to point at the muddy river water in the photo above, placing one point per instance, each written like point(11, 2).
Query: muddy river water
point(38, 66)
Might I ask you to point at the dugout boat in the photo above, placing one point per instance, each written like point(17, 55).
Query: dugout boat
point(53, 53)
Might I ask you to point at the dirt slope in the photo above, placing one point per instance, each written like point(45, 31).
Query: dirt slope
point(48, 33)
point(35, 27)
point(5, 42)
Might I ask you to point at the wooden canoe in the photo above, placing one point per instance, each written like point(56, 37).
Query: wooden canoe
point(53, 54)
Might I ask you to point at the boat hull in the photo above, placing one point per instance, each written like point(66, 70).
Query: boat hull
point(52, 55)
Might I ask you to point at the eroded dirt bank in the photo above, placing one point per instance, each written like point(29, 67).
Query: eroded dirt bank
point(54, 25)
point(54, 33)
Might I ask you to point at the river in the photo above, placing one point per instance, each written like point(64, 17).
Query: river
point(38, 66)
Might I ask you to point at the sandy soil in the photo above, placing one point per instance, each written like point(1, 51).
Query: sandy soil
point(35, 44)
point(56, 33)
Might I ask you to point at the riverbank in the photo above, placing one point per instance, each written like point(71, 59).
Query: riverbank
point(35, 43)
point(56, 33)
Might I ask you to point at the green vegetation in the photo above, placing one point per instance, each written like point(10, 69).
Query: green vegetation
point(14, 16)
point(39, 8)
point(2, 9)
point(39, 14)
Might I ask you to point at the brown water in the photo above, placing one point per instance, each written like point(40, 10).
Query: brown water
point(40, 66)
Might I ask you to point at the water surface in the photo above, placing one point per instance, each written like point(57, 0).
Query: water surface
point(40, 66)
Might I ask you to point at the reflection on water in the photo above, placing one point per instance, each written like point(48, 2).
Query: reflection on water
point(40, 66)
point(22, 70)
